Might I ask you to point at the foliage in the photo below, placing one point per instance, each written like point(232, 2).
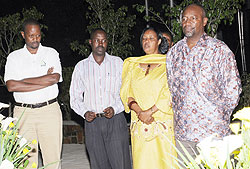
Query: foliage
point(116, 22)
point(245, 95)
point(63, 97)
point(217, 11)
point(10, 27)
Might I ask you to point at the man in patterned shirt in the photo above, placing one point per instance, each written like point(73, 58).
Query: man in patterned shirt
point(95, 95)
point(204, 82)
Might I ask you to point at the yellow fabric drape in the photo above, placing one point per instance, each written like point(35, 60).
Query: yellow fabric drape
point(151, 148)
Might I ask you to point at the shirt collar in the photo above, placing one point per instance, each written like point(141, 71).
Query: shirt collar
point(39, 49)
point(106, 58)
point(202, 41)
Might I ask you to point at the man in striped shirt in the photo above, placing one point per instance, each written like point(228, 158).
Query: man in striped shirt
point(94, 95)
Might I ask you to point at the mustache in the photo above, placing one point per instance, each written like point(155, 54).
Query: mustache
point(99, 47)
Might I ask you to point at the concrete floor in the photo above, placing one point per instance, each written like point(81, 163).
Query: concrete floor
point(74, 156)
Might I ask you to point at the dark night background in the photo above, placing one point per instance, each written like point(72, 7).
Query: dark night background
point(66, 22)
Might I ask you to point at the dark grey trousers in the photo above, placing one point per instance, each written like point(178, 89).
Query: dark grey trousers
point(107, 143)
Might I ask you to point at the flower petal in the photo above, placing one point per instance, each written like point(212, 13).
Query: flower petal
point(6, 164)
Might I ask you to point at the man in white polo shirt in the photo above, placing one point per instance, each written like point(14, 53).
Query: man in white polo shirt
point(32, 73)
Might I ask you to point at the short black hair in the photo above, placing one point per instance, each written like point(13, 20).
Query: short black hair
point(29, 21)
point(169, 34)
point(163, 46)
point(97, 29)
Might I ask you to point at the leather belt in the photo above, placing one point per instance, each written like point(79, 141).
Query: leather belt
point(37, 105)
point(100, 114)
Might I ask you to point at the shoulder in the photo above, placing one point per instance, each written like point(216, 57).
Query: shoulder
point(177, 46)
point(16, 53)
point(115, 59)
point(216, 43)
point(49, 50)
point(81, 63)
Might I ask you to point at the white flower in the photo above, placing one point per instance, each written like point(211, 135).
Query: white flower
point(1, 117)
point(2, 105)
point(6, 122)
point(235, 127)
point(222, 146)
point(6, 164)
point(243, 114)
point(246, 124)
point(22, 142)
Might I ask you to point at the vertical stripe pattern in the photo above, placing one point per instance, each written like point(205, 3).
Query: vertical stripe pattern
point(99, 83)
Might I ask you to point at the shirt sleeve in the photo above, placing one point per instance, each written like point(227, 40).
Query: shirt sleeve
point(117, 105)
point(56, 63)
point(10, 69)
point(231, 78)
point(169, 64)
point(76, 92)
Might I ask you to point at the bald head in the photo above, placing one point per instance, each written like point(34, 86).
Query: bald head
point(198, 7)
point(194, 21)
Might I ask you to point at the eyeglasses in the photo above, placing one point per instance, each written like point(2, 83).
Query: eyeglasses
point(99, 40)
point(34, 36)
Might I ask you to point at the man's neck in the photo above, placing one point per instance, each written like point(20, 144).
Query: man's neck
point(99, 59)
point(32, 51)
point(192, 41)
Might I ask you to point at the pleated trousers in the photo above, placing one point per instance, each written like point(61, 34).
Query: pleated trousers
point(107, 143)
point(45, 125)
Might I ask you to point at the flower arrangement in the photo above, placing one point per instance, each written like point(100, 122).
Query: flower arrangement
point(13, 147)
point(230, 152)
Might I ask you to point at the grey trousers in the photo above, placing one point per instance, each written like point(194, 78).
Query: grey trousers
point(107, 143)
point(190, 147)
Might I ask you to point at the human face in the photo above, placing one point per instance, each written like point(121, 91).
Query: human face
point(32, 36)
point(193, 22)
point(168, 39)
point(99, 43)
point(150, 43)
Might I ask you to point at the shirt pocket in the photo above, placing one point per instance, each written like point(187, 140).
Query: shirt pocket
point(112, 82)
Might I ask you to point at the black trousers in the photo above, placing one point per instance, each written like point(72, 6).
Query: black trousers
point(107, 143)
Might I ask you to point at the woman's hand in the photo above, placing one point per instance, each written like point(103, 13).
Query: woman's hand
point(146, 116)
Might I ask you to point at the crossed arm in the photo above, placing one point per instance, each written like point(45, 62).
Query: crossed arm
point(35, 83)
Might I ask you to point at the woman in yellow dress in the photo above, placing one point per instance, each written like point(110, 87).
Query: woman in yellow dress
point(145, 93)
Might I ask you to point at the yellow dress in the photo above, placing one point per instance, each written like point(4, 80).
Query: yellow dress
point(152, 145)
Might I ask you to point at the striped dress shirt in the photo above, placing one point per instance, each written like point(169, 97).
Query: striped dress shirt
point(95, 87)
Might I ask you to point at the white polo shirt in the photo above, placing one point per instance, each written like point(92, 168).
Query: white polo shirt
point(22, 64)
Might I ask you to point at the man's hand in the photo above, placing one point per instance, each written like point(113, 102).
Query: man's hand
point(50, 70)
point(109, 112)
point(90, 116)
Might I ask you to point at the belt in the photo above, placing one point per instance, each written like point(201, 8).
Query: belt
point(37, 105)
point(100, 114)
